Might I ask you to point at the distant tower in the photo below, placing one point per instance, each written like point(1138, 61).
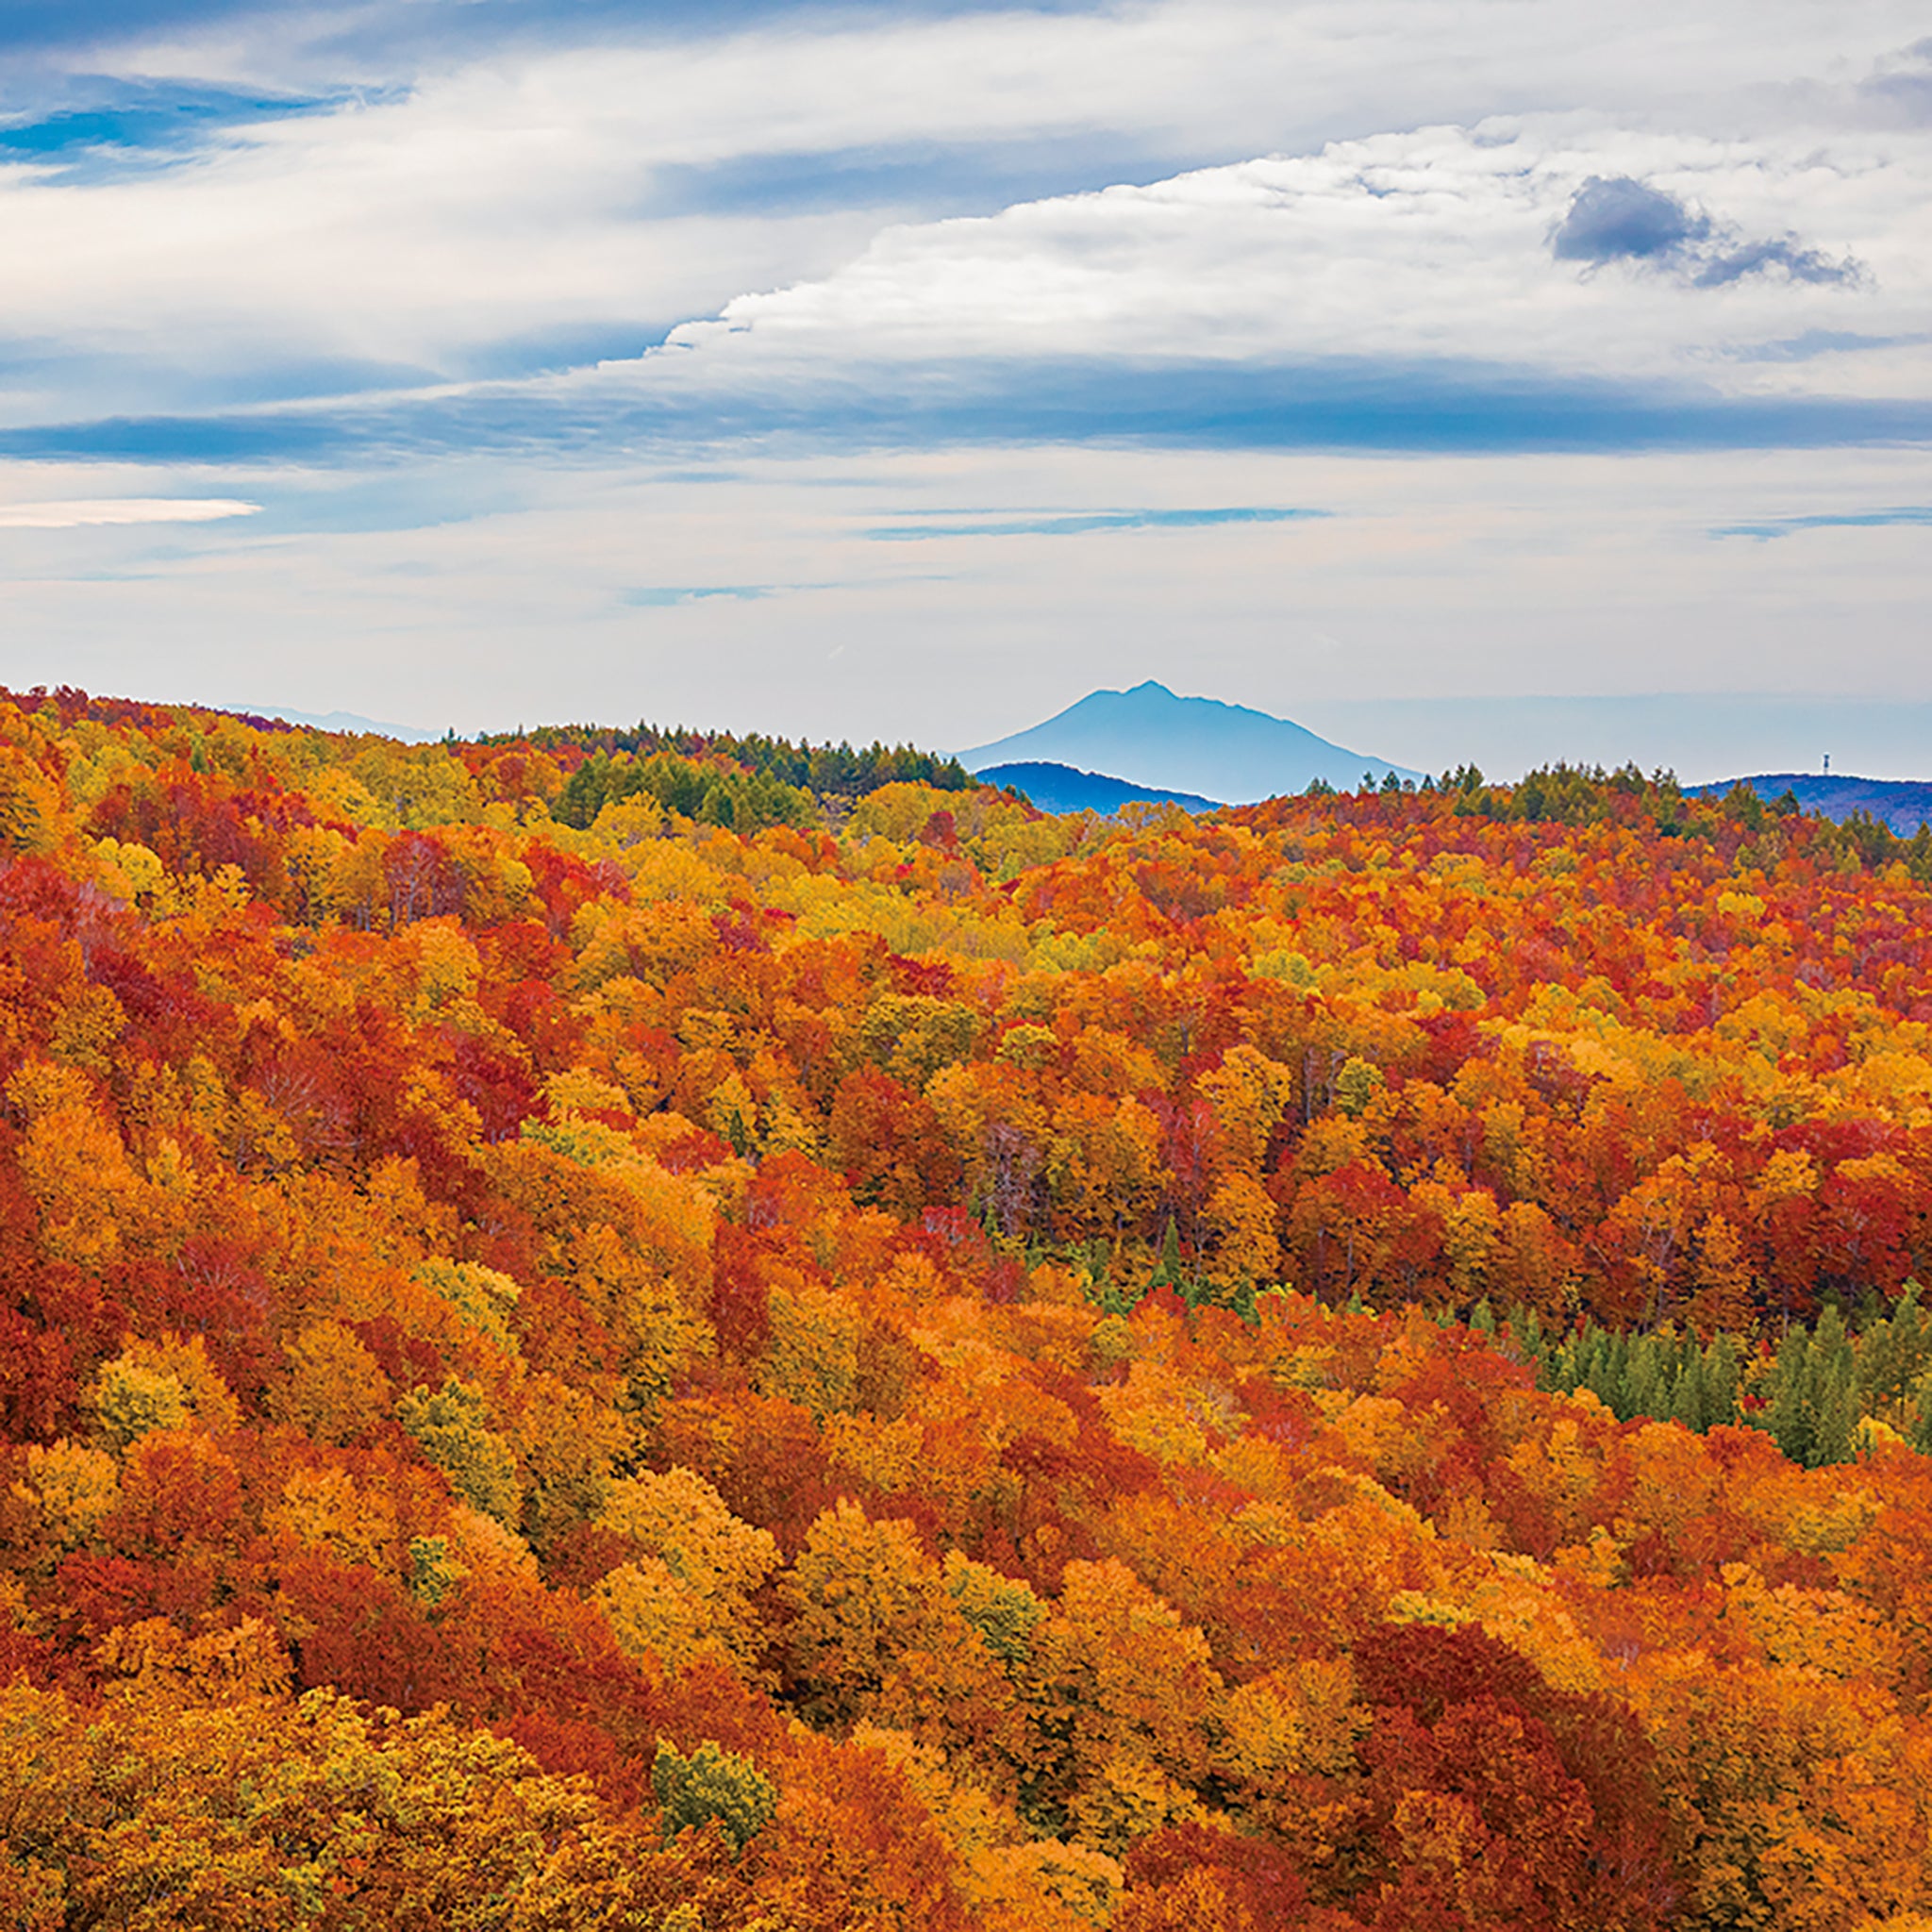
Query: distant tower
point(1827, 764)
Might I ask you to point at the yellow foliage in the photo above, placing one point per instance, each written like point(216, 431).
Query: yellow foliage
point(575, 1090)
point(1246, 1222)
point(653, 1614)
point(1125, 1797)
point(882, 1454)
point(689, 1588)
point(161, 1385)
point(75, 1166)
point(1030, 1880)
point(679, 1517)
point(1249, 1093)
point(483, 1297)
point(1297, 1721)
point(328, 1509)
point(74, 1486)
point(812, 1356)
point(453, 1427)
point(336, 1391)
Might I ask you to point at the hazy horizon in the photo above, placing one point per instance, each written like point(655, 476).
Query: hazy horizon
point(1506, 737)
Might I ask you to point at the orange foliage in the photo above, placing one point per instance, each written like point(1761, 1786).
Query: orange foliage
point(983, 1321)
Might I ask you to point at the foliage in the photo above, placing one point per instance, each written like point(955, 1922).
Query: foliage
point(768, 1336)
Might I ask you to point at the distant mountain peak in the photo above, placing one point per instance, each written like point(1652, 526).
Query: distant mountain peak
point(1151, 738)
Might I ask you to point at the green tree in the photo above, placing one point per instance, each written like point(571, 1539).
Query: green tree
point(710, 1784)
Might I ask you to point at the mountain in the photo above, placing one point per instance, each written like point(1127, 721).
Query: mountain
point(352, 722)
point(1172, 743)
point(1061, 787)
point(1902, 804)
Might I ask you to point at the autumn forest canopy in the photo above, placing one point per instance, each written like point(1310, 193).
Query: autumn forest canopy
point(656, 1331)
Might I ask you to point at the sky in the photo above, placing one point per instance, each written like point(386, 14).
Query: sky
point(1508, 378)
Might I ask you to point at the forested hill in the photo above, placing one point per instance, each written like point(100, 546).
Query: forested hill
point(821, 770)
point(1902, 804)
point(1061, 787)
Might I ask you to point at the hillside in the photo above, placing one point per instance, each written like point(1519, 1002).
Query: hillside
point(1060, 789)
point(1903, 804)
point(591, 1351)
point(1199, 745)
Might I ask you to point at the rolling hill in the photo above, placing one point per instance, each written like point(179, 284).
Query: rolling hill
point(1903, 804)
point(1062, 788)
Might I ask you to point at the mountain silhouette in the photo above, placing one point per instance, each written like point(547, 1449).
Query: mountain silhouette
point(1149, 736)
point(1062, 788)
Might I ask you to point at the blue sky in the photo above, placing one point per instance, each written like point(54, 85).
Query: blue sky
point(911, 370)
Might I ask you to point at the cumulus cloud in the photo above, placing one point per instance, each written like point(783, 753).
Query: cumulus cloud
point(499, 179)
point(1210, 240)
point(1619, 218)
point(1408, 250)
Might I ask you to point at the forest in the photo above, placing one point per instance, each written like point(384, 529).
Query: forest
point(683, 1334)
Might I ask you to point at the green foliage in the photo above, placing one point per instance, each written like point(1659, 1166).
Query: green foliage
point(433, 1571)
point(1358, 1083)
point(1894, 1355)
point(20, 817)
point(486, 1297)
point(1669, 1378)
point(710, 791)
point(712, 1783)
point(1004, 1611)
point(719, 778)
point(1811, 1395)
point(131, 1399)
point(451, 1427)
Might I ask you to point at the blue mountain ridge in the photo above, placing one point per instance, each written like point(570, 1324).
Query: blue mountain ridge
point(350, 721)
point(1173, 744)
point(1902, 804)
point(1061, 787)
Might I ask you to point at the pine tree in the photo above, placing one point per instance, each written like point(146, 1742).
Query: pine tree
point(1717, 1370)
point(1645, 1383)
point(1687, 1396)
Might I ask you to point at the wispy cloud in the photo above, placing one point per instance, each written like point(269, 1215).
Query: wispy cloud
point(648, 412)
point(136, 122)
point(1079, 522)
point(123, 509)
point(658, 597)
point(1919, 514)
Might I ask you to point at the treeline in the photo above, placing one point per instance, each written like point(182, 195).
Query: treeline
point(708, 793)
point(1566, 794)
point(1824, 1392)
point(835, 771)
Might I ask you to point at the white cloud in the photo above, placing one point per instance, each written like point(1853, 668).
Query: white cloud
point(511, 193)
point(1402, 247)
point(84, 514)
